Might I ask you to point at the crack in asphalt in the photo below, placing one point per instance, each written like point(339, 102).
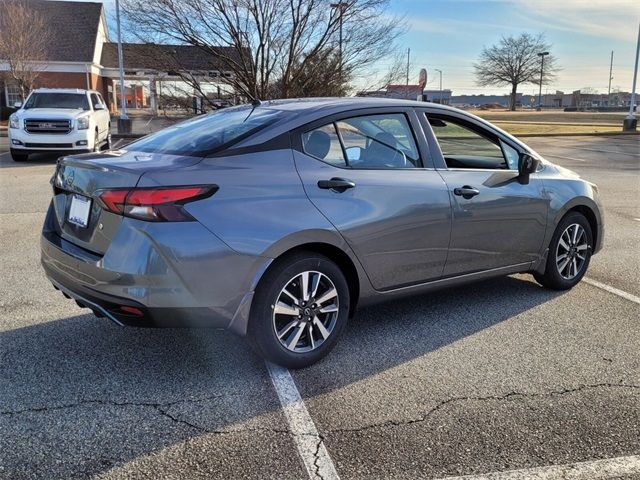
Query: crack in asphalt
point(316, 457)
point(444, 403)
point(81, 403)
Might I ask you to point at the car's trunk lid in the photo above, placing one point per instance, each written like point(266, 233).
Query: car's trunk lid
point(85, 175)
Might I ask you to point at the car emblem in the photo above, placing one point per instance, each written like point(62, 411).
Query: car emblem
point(45, 125)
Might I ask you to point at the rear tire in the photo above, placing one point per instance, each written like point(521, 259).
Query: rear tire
point(569, 253)
point(293, 328)
point(19, 157)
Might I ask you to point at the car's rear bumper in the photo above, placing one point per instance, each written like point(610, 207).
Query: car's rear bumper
point(174, 275)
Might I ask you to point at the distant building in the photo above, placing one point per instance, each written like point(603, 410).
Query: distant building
point(579, 99)
point(442, 97)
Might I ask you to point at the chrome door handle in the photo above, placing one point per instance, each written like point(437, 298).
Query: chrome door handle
point(466, 192)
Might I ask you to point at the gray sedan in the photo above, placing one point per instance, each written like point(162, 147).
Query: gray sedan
point(276, 220)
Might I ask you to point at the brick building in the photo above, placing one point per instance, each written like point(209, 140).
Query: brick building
point(80, 55)
point(79, 30)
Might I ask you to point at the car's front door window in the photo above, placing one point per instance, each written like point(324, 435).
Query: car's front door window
point(466, 146)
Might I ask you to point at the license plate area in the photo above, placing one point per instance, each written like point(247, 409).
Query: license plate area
point(79, 211)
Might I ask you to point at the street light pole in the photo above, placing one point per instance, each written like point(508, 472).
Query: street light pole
point(124, 124)
point(631, 122)
point(440, 72)
point(541, 55)
point(610, 78)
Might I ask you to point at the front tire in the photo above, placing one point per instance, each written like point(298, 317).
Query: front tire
point(19, 157)
point(96, 142)
point(107, 142)
point(569, 253)
point(299, 311)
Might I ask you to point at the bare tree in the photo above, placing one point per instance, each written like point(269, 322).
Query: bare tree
point(24, 37)
point(274, 47)
point(514, 61)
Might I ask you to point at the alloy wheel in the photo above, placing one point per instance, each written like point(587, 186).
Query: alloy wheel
point(571, 252)
point(306, 311)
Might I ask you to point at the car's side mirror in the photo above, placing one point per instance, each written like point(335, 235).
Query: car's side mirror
point(17, 104)
point(527, 164)
point(99, 106)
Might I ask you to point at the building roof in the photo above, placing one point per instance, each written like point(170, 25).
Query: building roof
point(165, 57)
point(73, 27)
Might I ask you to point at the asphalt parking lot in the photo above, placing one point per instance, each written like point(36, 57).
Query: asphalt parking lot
point(497, 376)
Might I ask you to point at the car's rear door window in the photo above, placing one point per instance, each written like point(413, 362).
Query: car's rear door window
point(379, 141)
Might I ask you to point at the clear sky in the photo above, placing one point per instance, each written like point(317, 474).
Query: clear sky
point(449, 35)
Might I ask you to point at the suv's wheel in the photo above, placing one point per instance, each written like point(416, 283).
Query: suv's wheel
point(299, 310)
point(96, 142)
point(19, 157)
point(569, 253)
point(107, 143)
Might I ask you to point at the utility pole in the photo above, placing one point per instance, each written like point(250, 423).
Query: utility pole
point(124, 124)
point(440, 72)
point(341, 6)
point(541, 55)
point(610, 78)
point(408, 62)
point(631, 122)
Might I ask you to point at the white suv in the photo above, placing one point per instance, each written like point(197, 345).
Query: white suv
point(59, 121)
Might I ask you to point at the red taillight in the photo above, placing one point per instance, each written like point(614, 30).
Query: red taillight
point(113, 200)
point(154, 204)
point(165, 195)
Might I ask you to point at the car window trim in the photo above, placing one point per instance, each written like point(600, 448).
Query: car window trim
point(426, 162)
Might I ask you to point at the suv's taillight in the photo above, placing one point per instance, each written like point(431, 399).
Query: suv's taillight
point(154, 204)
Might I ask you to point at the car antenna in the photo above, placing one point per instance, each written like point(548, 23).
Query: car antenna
point(255, 103)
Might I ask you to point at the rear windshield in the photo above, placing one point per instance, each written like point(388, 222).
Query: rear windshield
point(208, 133)
point(72, 101)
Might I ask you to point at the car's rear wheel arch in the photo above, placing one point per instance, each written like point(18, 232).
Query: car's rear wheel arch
point(335, 254)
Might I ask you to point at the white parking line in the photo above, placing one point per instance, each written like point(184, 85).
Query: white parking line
point(310, 446)
point(615, 291)
point(607, 468)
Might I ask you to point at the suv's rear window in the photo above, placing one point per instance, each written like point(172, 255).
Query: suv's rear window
point(73, 101)
point(206, 134)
